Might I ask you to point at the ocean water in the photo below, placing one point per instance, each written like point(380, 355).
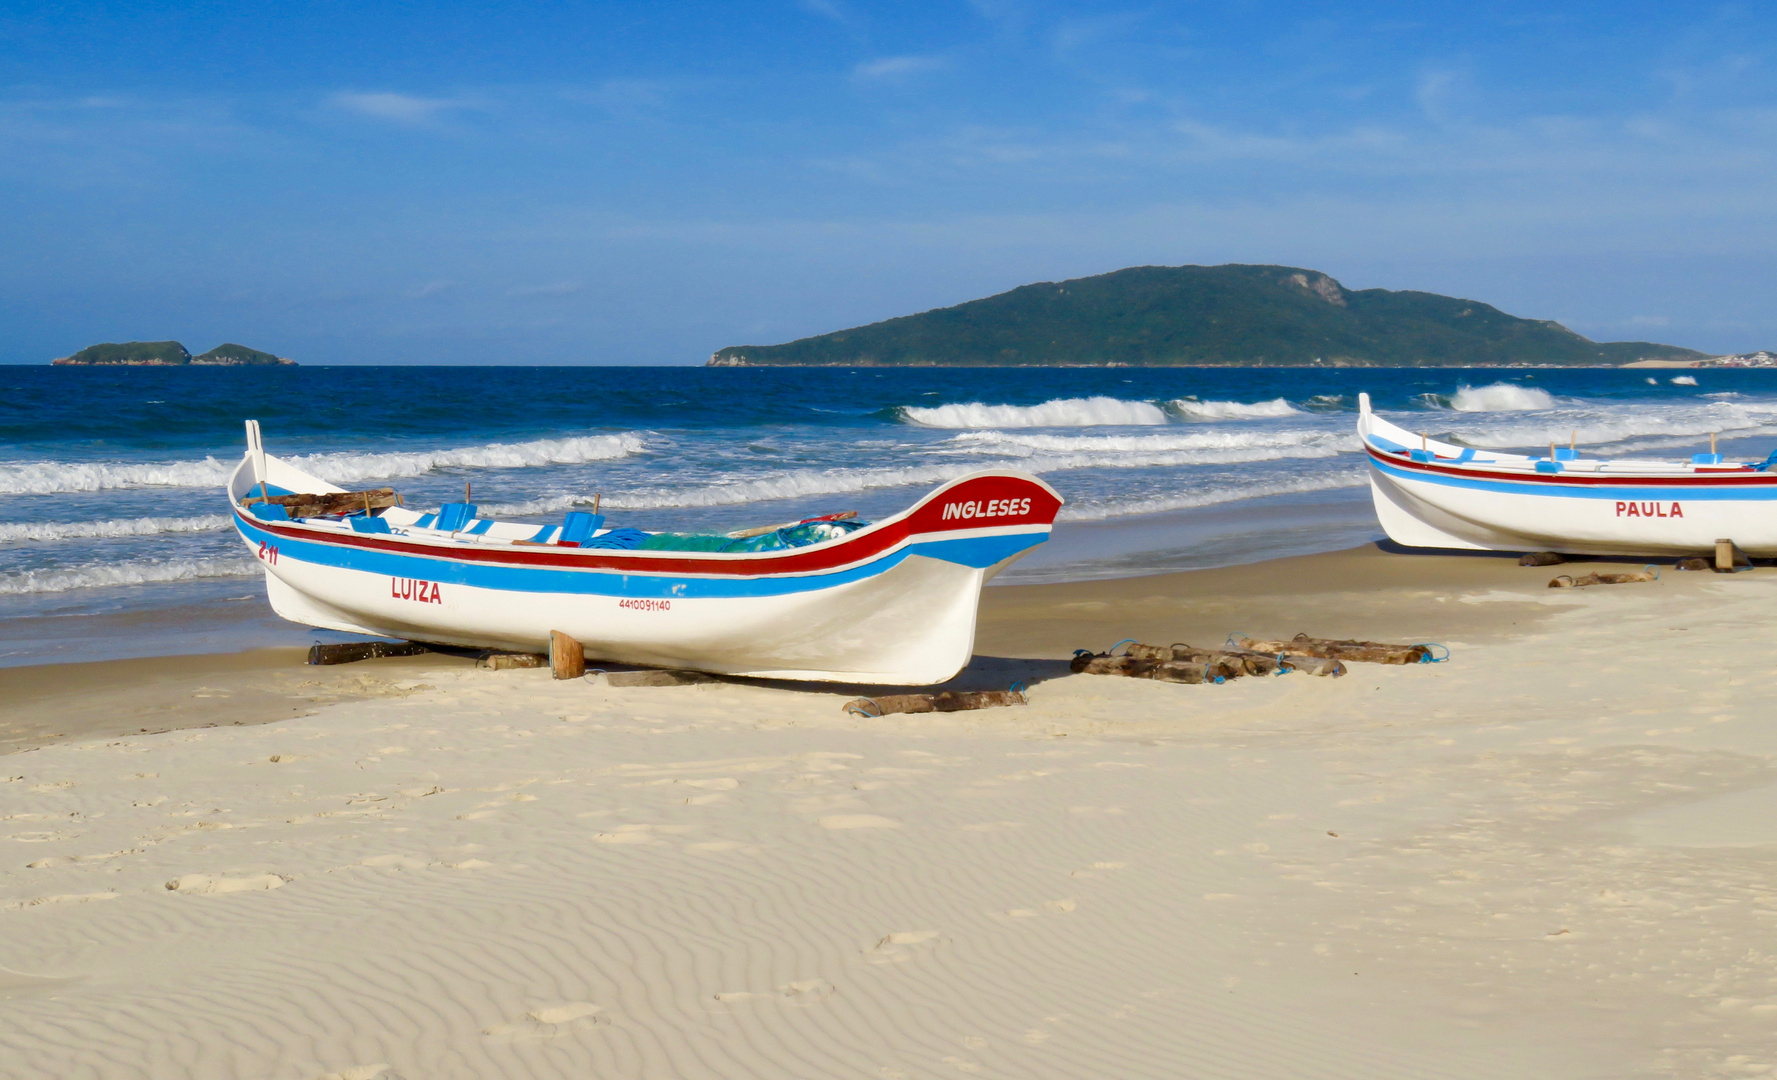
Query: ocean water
point(113, 525)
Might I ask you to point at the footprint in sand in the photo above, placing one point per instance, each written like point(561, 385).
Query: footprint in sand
point(1052, 907)
point(205, 883)
point(378, 1071)
point(625, 834)
point(549, 1021)
point(899, 946)
point(66, 898)
point(397, 862)
point(857, 821)
point(801, 992)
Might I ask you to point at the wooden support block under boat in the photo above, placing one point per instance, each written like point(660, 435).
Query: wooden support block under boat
point(354, 651)
point(338, 502)
point(1696, 563)
point(509, 661)
point(567, 659)
point(1729, 557)
point(947, 701)
point(1369, 652)
point(1566, 582)
point(1540, 558)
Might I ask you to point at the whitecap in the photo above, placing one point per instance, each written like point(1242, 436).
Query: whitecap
point(1061, 412)
point(1500, 397)
point(1684, 380)
point(1098, 510)
point(81, 530)
point(99, 575)
point(1192, 409)
point(56, 477)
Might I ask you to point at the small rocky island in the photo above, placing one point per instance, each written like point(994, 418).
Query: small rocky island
point(168, 354)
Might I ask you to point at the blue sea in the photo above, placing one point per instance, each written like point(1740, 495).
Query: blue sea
point(113, 527)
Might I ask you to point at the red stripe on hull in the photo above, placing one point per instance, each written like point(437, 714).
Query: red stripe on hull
point(928, 517)
point(1750, 479)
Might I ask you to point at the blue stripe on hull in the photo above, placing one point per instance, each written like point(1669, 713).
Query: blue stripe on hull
point(1627, 492)
point(979, 552)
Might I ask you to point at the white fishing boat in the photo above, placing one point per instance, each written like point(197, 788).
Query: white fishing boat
point(891, 602)
point(1438, 495)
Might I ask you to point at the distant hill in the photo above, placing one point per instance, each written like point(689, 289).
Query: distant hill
point(167, 354)
point(1204, 315)
point(238, 354)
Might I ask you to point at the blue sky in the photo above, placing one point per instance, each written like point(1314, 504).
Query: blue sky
point(647, 182)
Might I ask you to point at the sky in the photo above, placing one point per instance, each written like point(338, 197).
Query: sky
point(644, 183)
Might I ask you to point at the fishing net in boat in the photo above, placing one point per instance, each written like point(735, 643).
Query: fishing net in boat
point(790, 536)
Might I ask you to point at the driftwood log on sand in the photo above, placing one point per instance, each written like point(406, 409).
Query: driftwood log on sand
point(1540, 558)
point(353, 651)
point(1368, 652)
point(1233, 662)
point(1566, 582)
point(947, 701)
point(507, 661)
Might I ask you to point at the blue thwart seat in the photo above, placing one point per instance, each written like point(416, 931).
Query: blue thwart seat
point(578, 526)
point(1550, 466)
point(1422, 455)
point(1705, 459)
point(269, 511)
point(453, 516)
point(369, 524)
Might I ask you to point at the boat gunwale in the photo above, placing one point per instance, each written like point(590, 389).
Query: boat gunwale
point(875, 540)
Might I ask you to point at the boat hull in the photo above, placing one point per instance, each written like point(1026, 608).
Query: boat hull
point(892, 604)
point(1599, 508)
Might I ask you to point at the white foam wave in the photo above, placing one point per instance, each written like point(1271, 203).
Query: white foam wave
point(1233, 410)
point(1623, 427)
point(100, 575)
point(1017, 444)
point(81, 530)
point(55, 477)
point(1213, 496)
point(1684, 380)
point(1061, 412)
point(1500, 397)
point(803, 483)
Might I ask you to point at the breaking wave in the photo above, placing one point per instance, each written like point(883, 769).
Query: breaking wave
point(1496, 397)
point(1062, 412)
point(1684, 380)
point(54, 477)
point(1160, 504)
point(1192, 409)
point(1018, 444)
point(81, 530)
point(100, 575)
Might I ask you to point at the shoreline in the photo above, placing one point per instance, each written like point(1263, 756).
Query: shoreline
point(1366, 591)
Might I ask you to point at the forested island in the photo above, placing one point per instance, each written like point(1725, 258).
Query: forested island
point(1176, 316)
point(167, 354)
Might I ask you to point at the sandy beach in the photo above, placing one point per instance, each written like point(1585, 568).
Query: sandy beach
point(1551, 856)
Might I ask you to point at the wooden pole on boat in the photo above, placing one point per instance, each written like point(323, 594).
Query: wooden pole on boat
point(596, 496)
point(465, 491)
point(1551, 449)
point(1573, 441)
point(1424, 442)
point(1712, 442)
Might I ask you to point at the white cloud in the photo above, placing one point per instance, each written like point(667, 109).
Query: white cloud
point(893, 67)
point(401, 108)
